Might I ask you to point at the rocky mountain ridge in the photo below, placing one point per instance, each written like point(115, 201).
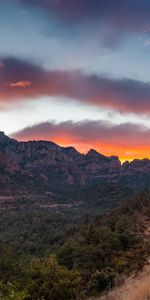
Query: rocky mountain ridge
point(41, 166)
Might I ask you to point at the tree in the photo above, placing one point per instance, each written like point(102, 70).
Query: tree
point(50, 281)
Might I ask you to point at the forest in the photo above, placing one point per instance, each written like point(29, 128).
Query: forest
point(49, 255)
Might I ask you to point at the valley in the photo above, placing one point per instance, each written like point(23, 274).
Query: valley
point(85, 215)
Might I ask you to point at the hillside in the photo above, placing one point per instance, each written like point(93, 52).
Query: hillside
point(87, 262)
point(111, 246)
point(134, 288)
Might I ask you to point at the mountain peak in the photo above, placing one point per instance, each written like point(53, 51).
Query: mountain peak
point(94, 154)
point(71, 150)
point(3, 137)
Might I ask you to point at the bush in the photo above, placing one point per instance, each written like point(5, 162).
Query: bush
point(8, 292)
point(102, 280)
point(48, 280)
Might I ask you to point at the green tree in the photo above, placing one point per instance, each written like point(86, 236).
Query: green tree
point(50, 281)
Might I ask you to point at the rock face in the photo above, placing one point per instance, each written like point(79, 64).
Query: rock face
point(42, 166)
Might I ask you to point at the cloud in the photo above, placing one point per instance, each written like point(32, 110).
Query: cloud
point(20, 84)
point(124, 95)
point(120, 15)
point(126, 140)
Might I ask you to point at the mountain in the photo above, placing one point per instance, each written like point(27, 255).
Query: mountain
point(43, 166)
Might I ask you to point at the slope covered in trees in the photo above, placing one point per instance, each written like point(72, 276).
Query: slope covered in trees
point(88, 262)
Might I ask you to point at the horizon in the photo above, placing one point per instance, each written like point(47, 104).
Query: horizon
point(77, 73)
point(74, 147)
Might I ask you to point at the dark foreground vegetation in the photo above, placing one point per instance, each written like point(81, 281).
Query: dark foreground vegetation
point(58, 262)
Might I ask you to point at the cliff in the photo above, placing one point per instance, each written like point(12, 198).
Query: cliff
point(43, 166)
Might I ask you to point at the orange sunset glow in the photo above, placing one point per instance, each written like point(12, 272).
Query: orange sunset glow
point(125, 153)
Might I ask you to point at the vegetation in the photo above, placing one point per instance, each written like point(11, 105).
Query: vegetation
point(33, 225)
point(74, 262)
point(132, 289)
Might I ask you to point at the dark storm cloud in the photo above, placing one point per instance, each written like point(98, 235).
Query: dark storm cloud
point(21, 80)
point(127, 14)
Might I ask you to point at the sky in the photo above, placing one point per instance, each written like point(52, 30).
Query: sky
point(77, 72)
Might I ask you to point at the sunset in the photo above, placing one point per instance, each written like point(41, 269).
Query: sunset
point(90, 58)
point(74, 149)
